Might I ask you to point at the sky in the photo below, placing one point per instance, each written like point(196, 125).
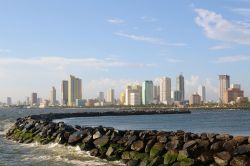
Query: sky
point(111, 43)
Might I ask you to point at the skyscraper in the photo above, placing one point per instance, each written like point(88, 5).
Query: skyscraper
point(202, 93)
point(224, 85)
point(165, 90)
point(180, 86)
point(74, 90)
point(9, 101)
point(53, 96)
point(147, 92)
point(34, 100)
point(101, 96)
point(110, 98)
point(64, 91)
point(156, 93)
point(133, 89)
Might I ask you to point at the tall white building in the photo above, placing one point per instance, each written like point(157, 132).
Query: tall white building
point(223, 86)
point(53, 96)
point(110, 98)
point(180, 86)
point(135, 98)
point(147, 92)
point(165, 90)
point(74, 90)
point(202, 93)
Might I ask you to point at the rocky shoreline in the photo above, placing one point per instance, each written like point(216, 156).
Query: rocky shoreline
point(136, 147)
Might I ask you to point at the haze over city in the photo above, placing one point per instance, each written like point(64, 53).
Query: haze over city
point(109, 47)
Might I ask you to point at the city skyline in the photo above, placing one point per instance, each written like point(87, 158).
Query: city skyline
point(204, 40)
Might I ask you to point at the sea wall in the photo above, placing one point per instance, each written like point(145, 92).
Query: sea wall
point(134, 147)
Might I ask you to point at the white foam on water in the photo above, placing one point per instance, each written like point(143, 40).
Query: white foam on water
point(5, 125)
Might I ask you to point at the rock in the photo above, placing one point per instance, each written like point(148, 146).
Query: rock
point(162, 138)
point(190, 144)
point(110, 151)
point(173, 145)
point(203, 136)
point(222, 158)
point(126, 155)
point(66, 135)
point(241, 140)
point(206, 158)
point(156, 161)
point(131, 140)
point(149, 145)
point(156, 150)
point(204, 144)
point(211, 137)
point(75, 137)
point(87, 139)
point(94, 152)
point(101, 142)
point(242, 149)
point(97, 134)
point(240, 161)
point(223, 137)
point(217, 146)
point(170, 157)
point(230, 145)
point(137, 145)
point(133, 163)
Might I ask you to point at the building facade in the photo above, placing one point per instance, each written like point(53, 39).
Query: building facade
point(34, 99)
point(180, 86)
point(232, 94)
point(64, 92)
point(147, 92)
point(202, 93)
point(195, 99)
point(133, 89)
point(224, 84)
point(53, 96)
point(74, 90)
point(165, 90)
point(110, 98)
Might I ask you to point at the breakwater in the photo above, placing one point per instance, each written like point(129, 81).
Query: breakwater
point(135, 147)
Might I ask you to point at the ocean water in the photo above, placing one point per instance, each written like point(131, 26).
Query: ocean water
point(235, 122)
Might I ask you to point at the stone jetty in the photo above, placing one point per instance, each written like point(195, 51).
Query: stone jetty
point(136, 147)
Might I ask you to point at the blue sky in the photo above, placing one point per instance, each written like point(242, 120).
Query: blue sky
point(111, 43)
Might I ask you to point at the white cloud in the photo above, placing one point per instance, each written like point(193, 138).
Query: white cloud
point(2, 50)
point(242, 11)
point(116, 21)
point(146, 39)
point(172, 60)
point(231, 59)
point(193, 81)
point(220, 47)
point(63, 61)
point(148, 19)
point(218, 28)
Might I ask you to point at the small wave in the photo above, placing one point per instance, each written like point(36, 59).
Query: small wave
point(5, 125)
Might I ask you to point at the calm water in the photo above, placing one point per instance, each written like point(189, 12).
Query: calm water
point(12, 153)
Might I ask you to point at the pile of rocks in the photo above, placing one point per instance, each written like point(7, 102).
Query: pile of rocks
point(134, 147)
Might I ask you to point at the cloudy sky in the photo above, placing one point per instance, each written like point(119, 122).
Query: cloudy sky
point(110, 44)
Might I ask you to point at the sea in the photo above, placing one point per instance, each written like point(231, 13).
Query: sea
point(234, 122)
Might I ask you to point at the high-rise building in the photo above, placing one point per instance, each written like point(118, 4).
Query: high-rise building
point(195, 99)
point(180, 86)
point(224, 85)
point(165, 90)
point(147, 92)
point(122, 98)
point(237, 86)
point(101, 96)
point(74, 90)
point(133, 89)
point(53, 96)
point(64, 92)
point(177, 95)
point(202, 93)
point(9, 101)
point(110, 98)
point(135, 98)
point(156, 93)
point(34, 100)
point(231, 94)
